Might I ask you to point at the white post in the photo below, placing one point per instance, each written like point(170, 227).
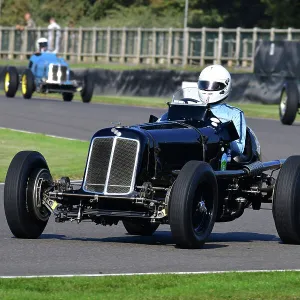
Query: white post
point(272, 34)
point(203, 45)
point(237, 46)
point(289, 34)
point(138, 45)
point(254, 40)
point(123, 45)
point(94, 45)
point(108, 40)
point(220, 45)
point(79, 44)
point(185, 46)
point(170, 46)
point(154, 40)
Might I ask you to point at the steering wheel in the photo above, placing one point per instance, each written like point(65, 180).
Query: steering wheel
point(189, 99)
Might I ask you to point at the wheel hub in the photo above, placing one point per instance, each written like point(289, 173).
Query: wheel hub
point(40, 184)
point(283, 102)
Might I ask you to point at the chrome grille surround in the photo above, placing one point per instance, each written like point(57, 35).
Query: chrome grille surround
point(111, 166)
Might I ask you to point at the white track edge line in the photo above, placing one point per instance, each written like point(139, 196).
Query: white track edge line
point(49, 135)
point(145, 274)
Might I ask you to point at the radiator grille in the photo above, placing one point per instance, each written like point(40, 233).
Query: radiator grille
point(111, 166)
point(57, 73)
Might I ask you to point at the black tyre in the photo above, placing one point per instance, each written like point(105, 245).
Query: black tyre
point(286, 201)
point(11, 82)
point(88, 88)
point(27, 82)
point(68, 96)
point(140, 228)
point(289, 103)
point(25, 214)
point(71, 75)
point(193, 205)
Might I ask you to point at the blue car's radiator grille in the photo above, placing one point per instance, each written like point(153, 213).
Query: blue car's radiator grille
point(111, 166)
point(57, 73)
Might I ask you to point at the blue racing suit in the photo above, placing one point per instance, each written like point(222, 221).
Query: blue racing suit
point(226, 113)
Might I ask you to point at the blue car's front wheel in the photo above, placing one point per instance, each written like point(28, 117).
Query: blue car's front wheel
point(27, 84)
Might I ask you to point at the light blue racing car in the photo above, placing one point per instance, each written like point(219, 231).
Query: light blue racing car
point(47, 73)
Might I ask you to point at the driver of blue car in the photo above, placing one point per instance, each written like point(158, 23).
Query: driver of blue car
point(214, 86)
point(41, 47)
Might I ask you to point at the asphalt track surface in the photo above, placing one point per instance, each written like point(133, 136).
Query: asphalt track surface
point(250, 242)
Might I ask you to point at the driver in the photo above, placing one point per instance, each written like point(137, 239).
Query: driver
point(41, 47)
point(214, 86)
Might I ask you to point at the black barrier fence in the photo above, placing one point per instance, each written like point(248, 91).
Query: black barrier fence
point(275, 62)
point(246, 87)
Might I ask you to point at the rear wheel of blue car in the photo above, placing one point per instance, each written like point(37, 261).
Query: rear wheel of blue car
point(88, 88)
point(27, 84)
point(11, 82)
point(68, 96)
point(193, 205)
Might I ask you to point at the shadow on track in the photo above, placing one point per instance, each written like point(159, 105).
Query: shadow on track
point(165, 238)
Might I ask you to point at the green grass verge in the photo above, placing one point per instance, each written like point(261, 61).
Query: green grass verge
point(124, 67)
point(64, 157)
point(275, 285)
point(251, 110)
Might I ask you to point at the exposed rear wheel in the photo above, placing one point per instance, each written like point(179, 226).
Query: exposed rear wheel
point(289, 103)
point(193, 205)
point(11, 82)
point(140, 228)
point(26, 216)
point(88, 88)
point(286, 201)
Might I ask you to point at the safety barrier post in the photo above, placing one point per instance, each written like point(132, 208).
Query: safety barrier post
point(170, 38)
point(220, 45)
point(79, 44)
point(138, 45)
point(94, 46)
point(108, 42)
point(203, 46)
point(254, 40)
point(11, 43)
point(123, 45)
point(237, 46)
point(154, 45)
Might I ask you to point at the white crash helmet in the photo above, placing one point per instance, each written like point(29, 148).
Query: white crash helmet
point(214, 84)
point(42, 44)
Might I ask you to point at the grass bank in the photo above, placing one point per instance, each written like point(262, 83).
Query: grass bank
point(251, 110)
point(64, 157)
point(123, 67)
point(274, 285)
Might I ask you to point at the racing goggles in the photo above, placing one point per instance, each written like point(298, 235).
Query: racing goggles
point(43, 45)
point(211, 85)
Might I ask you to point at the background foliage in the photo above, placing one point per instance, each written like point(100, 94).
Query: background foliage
point(155, 13)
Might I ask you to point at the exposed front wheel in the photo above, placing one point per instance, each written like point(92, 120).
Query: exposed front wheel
point(68, 96)
point(11, 82)
point(27, 83)
point(140, 228)
point(27, 178)
point(286, 201)
point(289, 103)
point(193, 205)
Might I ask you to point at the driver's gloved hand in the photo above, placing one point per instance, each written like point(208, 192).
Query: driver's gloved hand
point(215, 122)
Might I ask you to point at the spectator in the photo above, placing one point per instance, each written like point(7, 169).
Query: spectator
point(54, 35)
point(29, 22)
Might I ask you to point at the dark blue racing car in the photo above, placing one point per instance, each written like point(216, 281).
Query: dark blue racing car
point(47, 73)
